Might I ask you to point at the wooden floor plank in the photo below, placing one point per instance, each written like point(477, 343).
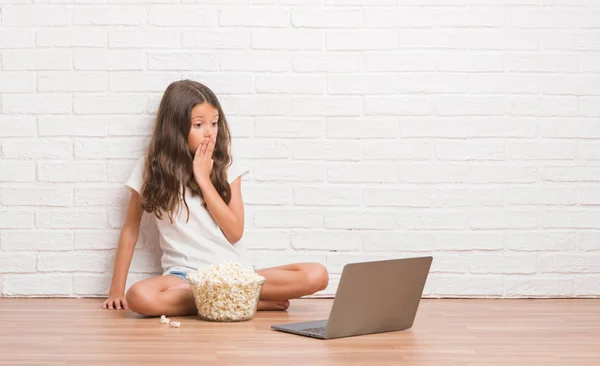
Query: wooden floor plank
point(446, 332)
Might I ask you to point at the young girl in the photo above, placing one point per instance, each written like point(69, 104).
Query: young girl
point(190, 183)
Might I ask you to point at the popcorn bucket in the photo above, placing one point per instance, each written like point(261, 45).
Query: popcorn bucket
point(226, 302)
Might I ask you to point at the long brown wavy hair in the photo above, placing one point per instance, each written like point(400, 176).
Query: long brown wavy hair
point(169, 162)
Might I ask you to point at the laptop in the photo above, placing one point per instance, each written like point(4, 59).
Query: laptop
point(372, 297)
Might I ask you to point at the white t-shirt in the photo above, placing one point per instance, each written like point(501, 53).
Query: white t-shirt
point(199, 242)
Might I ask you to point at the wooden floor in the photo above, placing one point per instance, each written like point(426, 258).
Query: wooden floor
point(446, 332)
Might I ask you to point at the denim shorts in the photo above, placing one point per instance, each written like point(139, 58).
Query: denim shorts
point(178, 274)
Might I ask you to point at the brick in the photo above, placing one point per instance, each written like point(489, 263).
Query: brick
point(326, 106)
point(240, 126)
point(72, 125)
point(465, 61)
point(37, 196)
point(17, 262)
point(412, 219)
point(326, 18)
point(286, 127)
point(254, 17)
point(541, 195)
point(109, 103)
point(403, 149)
point(569, 40)
point(327, 196)
point(37, 103)
point(571, 173)
point(17, 126)
point(101, 196)
point(538, 286)
point(58, 81)
point(267, 194)
point(382, 197)
point(469, 17)
point(108, 60)
point(71, 171)
point(400, 106)
point(550, 62)
point(480, 105)
point(503, 83)
point(97, 239)
point(398, 18)
point(291, 84)
point(109, 148)
point(286, 218)
point(326, 240)
point(37, 285)
point(263, 239)
point(37, 240)
point(363, 40)
point(31, 60)
point(469, 150)
point(330, 62)
point(91, 261)
point(119, 171)
point(540, 240)
point(32, 16)
point(144, 38)
point(467, 197)
point(20, 171)
point(467, 173)
point(361, 84)
point(570, 84)
point(255, 61)
point(468, 240)
point(504, 219)
point(589, 106)
point(394, 241)
point(537, 150)
point(466, 285)
point(294, 40)
point(362, 173)
point(17, 82)
point(588, 195)
point(569, 263)
point(587, 285)
point(217, 39)
point(589, 150)
point(505, 264)
point(504, 39)
point(335, 150)
point(16, 38)
point(580, 219)
point(303, 172)
point(38, 149)
point(354, 220)
point(362, 128)
point(256, 105)
point(72, 37)
point(273, 259)
point(570, 128)
point(409, 83)
point(109, 15)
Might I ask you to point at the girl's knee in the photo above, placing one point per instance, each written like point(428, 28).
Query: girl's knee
point(139, 300)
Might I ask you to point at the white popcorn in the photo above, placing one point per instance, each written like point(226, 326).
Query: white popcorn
point(164, 320)
point(226, 292)
point(175, 324)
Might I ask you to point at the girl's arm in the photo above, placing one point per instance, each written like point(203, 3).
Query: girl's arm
point(127, 241)
point(230, 218)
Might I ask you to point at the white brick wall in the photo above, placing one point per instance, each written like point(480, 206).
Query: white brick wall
point(464, 129)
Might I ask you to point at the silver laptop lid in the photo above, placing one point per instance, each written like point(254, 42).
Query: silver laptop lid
point(379, 296)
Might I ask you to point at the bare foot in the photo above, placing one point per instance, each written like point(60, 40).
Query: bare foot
point(273, 304)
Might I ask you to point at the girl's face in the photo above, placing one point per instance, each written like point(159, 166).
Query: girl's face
point(205, 119)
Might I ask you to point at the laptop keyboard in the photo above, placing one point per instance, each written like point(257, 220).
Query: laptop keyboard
point(319, 331)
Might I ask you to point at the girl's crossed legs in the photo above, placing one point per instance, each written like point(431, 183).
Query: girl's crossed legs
point(171, 295)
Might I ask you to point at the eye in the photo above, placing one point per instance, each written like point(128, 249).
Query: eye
point(197, 125)
point(214, 123)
